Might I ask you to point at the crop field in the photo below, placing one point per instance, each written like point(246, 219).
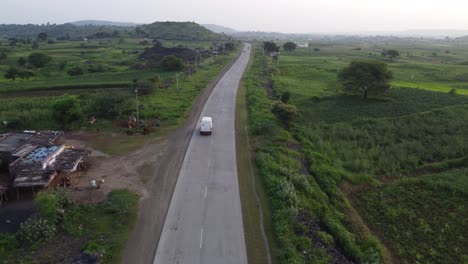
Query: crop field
point(403, 155)
point(109, 67)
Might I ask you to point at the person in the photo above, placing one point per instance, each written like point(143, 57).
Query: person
point(93, 183)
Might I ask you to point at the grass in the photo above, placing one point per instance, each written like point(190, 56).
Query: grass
point(418, 127)
point(103, 227)
point(167, 104)
point(424, 219)
point(255, 244)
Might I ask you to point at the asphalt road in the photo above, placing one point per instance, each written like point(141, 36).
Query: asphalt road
point(204, 221)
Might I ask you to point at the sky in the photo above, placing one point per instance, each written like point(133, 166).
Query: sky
point(289, 16)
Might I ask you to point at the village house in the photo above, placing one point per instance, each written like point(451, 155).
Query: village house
point(37, 160)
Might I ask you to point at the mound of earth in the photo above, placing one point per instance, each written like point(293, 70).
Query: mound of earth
point(158, 52)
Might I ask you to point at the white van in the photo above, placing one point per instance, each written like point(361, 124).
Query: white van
point(206, 125)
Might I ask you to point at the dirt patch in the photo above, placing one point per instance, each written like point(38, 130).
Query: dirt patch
point(305, 164)
point(62, 249)
point(313, 229)
point(14, 213)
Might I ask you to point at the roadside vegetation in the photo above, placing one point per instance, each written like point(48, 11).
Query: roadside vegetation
point(100, 73)
point(344, 167)
point(65, 232)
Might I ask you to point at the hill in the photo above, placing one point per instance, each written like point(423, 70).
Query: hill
point(178, 31)
point(220, 29)
point(103, 23)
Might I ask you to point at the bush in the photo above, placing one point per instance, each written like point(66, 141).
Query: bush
point(8, 243)
point(145, 87)
point(287, 113)
point(172, 63)
point(67, 111)
point(36, 231)
point(109, 106)
point(75, 71)
point(49, 205)
point(38, 60)
point(96, 68)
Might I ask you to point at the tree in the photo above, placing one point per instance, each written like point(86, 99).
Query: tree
point(229, 46)
point(35, 45)
point(289, 46)
point(12, 73)
point(270, 46)
point(3, 56)
point(42, 36)
point(172, 63)
point(25, 74)
point(392, 54)
point(38, 60)
point(145, 87)
point(22, 61)
point(75, 71)
point(67, 111)
point(365, 77)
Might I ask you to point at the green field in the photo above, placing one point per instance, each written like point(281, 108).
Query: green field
point(28, 103)
point(377, 145)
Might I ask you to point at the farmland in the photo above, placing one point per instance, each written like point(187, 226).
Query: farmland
point(347, 170)
point(107, 68)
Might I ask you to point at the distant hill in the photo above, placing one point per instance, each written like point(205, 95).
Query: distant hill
point(103, 23)
point(220, 29)
point(178, 31)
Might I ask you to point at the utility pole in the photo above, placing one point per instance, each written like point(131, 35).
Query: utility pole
point(137, 106)
point(177, 81)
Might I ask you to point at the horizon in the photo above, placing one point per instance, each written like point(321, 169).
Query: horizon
point(292, 17)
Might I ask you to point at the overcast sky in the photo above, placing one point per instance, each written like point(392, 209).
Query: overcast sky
point(294, 16)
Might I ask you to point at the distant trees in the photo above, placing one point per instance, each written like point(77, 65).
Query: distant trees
point(35, 45)
point(67, 111)
point(172, 63)
point(22, 61)
point(75, 71)
point(289, 46)
point(391, 54)
point(42, 36)
point(145, 87)
point(38, 60)
point(3, 56)
point(365, 77)
point(229, 46)
point(11, 73)
point(270, 46)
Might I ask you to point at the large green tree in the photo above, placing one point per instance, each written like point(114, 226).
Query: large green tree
point(270, 46)
point(289, 46)
point(365, 77)
point(38, 60)
point(67, 111)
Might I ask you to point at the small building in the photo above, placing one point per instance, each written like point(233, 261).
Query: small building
point(46, 166)
point(37, 160)
point(302, 45)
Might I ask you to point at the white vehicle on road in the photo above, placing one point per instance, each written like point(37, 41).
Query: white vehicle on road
point(206, 125)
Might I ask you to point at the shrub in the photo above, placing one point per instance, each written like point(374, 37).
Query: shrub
point(49, 205)
point(36, 231)
point(172, 63)
point(67, 111)
point(287, 113)
point(8, 243)
point(95, 68)
point(75, 71)
point(285, 97)
point(109, 106)
point(38, 60)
